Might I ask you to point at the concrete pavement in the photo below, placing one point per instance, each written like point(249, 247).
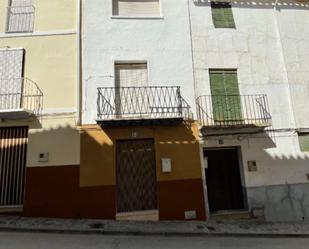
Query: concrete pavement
point(245, 228)
point(12, 240)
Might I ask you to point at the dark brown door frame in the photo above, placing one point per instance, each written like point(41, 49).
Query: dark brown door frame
point(241, 171)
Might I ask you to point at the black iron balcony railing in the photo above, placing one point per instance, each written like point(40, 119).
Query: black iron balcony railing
point(20, 94)
point(233, 110)
point(154, 102)
point(20, 19)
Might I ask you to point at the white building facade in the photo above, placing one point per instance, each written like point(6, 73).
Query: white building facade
point(243, 69)
point(267, 49)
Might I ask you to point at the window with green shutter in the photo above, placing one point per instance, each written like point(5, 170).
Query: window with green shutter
point(222, 15)
point(226, 100)
point(303, 142)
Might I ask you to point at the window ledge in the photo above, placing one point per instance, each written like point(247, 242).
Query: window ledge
point(234, 28)
point(138, 17)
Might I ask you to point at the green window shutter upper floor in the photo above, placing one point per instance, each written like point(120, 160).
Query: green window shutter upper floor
point(231, 83)
point(224, 82)
point(222, 15)
point(225, 95)
point(304, 142)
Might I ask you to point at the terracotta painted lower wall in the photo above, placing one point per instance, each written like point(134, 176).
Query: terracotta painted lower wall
point(55, 192)
point(176, 197)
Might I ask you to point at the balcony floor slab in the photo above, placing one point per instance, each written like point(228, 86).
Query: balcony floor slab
point(15, 114)
point(140, 122)
point(233, 129)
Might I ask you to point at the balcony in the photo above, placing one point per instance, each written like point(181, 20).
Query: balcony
point(19, 99)
point(20, 19)
point(233, 114)
point(155, 105)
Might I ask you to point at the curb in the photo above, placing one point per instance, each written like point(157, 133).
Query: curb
point(145, 233)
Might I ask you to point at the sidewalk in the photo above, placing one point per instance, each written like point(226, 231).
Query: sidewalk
point(248, 228)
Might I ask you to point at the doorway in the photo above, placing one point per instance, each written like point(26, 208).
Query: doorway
point(223, 179)
point(13, 153)
point(136, 176)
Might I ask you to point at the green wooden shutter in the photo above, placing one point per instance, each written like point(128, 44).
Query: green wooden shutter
point(304, 142)
point(218, 93)
point(233, 102)
point(225, 96)
point(222, 15)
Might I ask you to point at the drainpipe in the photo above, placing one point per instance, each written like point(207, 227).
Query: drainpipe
point(79, 62)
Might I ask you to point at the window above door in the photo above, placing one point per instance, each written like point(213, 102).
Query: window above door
point(136, 8)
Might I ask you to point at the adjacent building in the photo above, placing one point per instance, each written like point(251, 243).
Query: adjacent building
point(139, 141)
point(251, 71)
point(154, 109)
point(38, 103)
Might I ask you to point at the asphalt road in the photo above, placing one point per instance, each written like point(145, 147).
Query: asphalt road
point(10, 240)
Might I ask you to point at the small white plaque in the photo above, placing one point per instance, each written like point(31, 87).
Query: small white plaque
point(166, 165)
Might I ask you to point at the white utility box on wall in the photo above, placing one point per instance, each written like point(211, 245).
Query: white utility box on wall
point(166, 165)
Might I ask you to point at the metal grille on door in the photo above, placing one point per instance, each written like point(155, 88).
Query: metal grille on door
point(136, 176)
point(13, 150)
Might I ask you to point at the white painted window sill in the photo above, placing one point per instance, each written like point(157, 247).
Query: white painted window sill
point(138, 17)
point(38, 33)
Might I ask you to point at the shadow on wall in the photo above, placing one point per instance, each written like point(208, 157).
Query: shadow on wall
point(260, 4)
point(88, 190)
point(52, 186)
point(281, 202)
point(281, 180)
point(98, 165)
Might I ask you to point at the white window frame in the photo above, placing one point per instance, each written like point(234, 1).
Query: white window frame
point(160, 16)
point(116, 60)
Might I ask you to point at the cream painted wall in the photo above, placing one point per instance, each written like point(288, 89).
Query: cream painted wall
point(59, 137)
point(56, 135)
point(51, 62)
point(49, 15)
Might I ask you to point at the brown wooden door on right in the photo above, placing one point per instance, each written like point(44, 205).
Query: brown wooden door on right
point(223, 180)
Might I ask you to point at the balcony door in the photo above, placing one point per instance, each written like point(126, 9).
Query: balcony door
point(11, 73)
point(226, 100)
point(130, 92)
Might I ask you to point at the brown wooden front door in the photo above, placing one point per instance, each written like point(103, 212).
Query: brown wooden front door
point(136, 175)
point(223, 180)
point(13, 151)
